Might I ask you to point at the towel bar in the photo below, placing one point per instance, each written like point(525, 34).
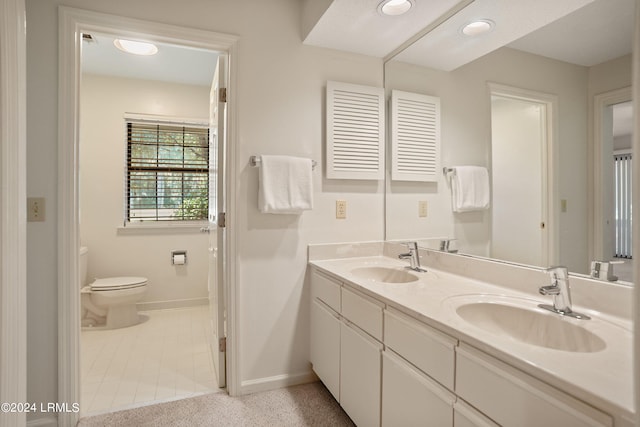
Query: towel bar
point(256, 160)
point(446, 170)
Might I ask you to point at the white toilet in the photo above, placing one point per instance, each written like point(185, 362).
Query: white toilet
point(109, 303)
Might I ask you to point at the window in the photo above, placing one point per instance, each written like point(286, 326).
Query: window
point(623, 178)
point(167, 172)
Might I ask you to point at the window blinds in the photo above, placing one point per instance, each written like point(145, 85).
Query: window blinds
point(623, 187)
point(167, 172)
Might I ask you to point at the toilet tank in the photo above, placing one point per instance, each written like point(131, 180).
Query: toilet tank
point(84, 257)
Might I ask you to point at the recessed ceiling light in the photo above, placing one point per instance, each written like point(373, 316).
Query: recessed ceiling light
point(395, 7)
point(137, 48)
point(478, 27)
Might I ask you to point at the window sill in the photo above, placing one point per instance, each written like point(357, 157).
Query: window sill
point(146, 229)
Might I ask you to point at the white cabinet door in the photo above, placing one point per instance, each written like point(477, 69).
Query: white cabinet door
point(360, 376)
point(325, 346)
point(410, 398)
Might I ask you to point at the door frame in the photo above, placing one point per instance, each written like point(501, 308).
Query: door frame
point(550, 241)
point(13, 194)
point(72, 22)
point(596, 220)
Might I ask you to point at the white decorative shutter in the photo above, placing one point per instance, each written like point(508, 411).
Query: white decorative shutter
point(355, 131)
point(415, 137)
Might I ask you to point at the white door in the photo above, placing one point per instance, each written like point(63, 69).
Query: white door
point(216, 227)
point(518, 166)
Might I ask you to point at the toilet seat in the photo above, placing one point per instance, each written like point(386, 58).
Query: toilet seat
point(117, 283)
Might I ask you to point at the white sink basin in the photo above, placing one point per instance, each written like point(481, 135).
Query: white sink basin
point(384, 274)
point(531, 325)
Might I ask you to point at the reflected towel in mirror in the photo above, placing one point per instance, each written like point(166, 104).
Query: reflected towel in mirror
point(470, 188)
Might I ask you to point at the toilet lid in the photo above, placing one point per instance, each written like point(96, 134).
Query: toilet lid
point(111, 283)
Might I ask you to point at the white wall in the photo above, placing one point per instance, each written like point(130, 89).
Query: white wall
point(280, 103)
point(466, 139)
point(610, 75)
point(112, 250)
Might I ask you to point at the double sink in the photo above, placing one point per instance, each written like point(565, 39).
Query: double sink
point(516, 318)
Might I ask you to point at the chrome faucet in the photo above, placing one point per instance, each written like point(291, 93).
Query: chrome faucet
point(559, 289)
point(413, 256)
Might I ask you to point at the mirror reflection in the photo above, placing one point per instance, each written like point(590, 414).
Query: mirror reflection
point(548, 116)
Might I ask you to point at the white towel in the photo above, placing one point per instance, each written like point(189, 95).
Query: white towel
point(470, 189)
point(286, 185)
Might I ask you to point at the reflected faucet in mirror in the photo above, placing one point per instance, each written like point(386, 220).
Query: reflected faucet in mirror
point(604, 270)
point(445, 246)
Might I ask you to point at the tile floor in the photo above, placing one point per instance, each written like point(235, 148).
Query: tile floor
point(167, 357)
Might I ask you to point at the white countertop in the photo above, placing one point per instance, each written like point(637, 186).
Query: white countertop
point(603, 378)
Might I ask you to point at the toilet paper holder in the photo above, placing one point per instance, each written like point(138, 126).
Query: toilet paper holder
point(178, 257)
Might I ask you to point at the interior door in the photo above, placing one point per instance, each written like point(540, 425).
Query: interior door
point(216, 226)
point(518, 164)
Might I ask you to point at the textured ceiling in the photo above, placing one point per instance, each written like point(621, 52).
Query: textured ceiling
point(583, 32)
point(446, 48)
point(596, 33)
point(357, 26)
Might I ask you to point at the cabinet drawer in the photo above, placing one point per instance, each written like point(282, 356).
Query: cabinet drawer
point(410, 398)
point(325, 289)
point(516, 398)
point(464, 415)
point(363, 311)
point(428, 349)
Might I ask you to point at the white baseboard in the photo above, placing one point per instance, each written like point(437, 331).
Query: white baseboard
point(275, 382)
point(43, 422)
point(164, 305)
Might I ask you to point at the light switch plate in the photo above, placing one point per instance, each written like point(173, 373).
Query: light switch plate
point(341, 209)
point(422, 208)
point(35, 209)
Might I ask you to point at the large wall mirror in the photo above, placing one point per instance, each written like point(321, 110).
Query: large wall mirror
point(547, 115)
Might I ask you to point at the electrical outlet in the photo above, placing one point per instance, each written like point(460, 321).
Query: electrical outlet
point(35, 209)
point(341, 209)
point(422, 208)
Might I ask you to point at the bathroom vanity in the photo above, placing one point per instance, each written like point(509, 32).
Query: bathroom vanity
point(465, 343)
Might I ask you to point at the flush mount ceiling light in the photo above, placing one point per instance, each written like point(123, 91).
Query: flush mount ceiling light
point(395, 7)
point(137, 48)
point(475, 28)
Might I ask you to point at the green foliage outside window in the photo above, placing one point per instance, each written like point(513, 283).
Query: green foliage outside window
point(196, 208)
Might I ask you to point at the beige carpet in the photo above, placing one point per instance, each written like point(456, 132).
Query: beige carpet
point(304, 405)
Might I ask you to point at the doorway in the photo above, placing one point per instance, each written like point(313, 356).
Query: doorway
point(73, 23)
point(521, 179)
point(143, 132)
point(613, 119)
